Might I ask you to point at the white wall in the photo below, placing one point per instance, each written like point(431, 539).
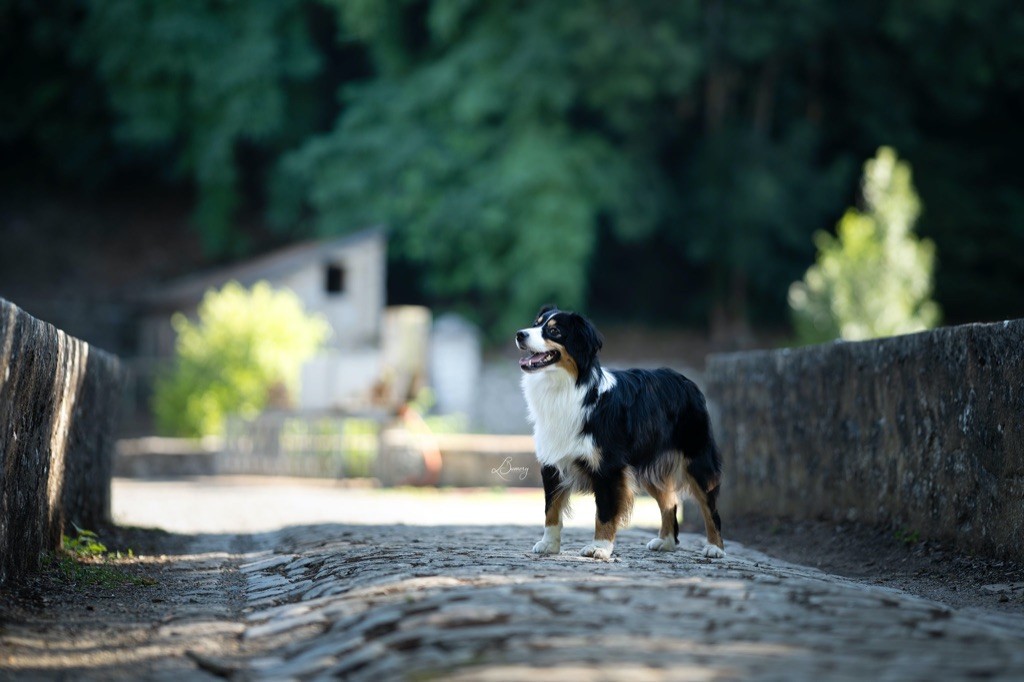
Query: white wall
point(339, 379)
point(356, 314)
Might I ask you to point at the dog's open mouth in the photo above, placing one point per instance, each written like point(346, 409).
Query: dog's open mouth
point(536, 361)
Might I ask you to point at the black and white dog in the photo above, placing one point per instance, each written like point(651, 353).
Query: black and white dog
point(606, 431)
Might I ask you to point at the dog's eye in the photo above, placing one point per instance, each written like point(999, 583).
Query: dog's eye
point(555, 332)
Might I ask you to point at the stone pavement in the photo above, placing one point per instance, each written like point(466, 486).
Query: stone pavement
point(472, 603)
point(455, 593)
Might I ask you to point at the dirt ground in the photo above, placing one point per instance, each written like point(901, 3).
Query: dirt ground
point(885, 556)
point(54, 628)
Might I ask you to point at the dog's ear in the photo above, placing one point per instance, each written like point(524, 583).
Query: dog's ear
point(583, 344)
point(588, 332)
point(544, 310)
point(588, 339)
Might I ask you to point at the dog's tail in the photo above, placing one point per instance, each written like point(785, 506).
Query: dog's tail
point(703, 460)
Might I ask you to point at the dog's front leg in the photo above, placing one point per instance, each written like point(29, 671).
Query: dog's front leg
point(555, 497)
point(614, 501)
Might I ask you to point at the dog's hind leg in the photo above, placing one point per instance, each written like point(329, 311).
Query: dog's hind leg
point(556, 495)
point(707, 500)
point(614, 497)
point(668, 502)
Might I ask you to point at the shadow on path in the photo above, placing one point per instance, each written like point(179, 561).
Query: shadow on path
point(372, 602)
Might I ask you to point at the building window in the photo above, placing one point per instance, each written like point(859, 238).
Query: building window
point(335, 281)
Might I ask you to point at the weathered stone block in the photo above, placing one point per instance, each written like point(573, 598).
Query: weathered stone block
point(925, 431)
point(59, 401)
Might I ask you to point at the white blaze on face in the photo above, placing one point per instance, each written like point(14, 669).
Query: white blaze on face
point(535, 341)
point(542, 353)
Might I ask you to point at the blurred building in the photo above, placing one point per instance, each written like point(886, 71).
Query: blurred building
point(344, 279)
point(376, 355)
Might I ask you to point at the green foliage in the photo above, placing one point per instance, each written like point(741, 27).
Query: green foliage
point(198, 79)
point(52, 107)
point(85, 561)
point(874, 278)
point(907, 536)
point(85, 543)
point(499, 137)
point(470, 154)
point(245, 343)
point(502, 140)
point(751, 203)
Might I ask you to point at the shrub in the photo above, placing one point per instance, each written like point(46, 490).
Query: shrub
point(245, 344)
point(874, 278)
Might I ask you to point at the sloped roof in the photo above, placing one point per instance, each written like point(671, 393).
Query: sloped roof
point(271, 265)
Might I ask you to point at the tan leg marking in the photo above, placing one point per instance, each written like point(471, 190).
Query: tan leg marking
point(604, 531)
point(553, 515)
point(701, 498)
point(551, 543)
point(667, 503)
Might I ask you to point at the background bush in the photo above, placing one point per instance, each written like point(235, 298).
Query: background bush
point(245, 344)
point(874, 278)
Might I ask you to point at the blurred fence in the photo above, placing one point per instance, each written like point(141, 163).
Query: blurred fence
point(289, 444)
point(371, 447)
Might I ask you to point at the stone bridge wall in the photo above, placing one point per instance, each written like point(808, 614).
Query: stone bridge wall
point(924, 431)
point(59, 400)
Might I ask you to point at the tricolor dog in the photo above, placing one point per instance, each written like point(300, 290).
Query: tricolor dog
point(607, 432)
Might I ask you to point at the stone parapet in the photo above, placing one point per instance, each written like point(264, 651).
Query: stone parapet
point(59, 401)
point(924, 431)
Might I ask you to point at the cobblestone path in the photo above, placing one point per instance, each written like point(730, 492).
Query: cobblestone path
point(345, 591)
point(471, 603)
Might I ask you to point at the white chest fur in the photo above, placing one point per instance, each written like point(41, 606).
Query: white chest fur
point(555, 406)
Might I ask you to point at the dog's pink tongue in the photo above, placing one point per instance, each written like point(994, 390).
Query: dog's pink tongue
point(523, 362)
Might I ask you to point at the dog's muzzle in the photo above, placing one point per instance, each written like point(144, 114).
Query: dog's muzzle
point(536, 359)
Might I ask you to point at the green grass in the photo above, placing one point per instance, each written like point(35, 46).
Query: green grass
point(907, 536)
point(84, 561)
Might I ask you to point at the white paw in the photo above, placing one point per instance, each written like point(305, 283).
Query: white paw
point(600, 549)
point(546, 546)
point(551, 542)
point(712, 551)
point(662, 544)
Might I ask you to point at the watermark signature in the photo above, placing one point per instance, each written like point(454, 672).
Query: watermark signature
point(506, 469)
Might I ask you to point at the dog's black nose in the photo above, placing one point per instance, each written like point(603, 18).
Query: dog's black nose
point(520, 337)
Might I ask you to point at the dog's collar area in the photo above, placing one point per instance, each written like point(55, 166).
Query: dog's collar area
point(536, 361)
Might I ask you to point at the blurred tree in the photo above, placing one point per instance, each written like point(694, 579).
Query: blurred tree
point(497, 137)
point(943, 82)
point(246, 346)
point(751, 204)
point(753, 186)
point(875, 277)
point(488, 141)
point(200, 78)
point(501, 140)
point(53, 120)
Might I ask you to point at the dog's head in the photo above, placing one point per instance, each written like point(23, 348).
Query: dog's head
point(559, 341)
